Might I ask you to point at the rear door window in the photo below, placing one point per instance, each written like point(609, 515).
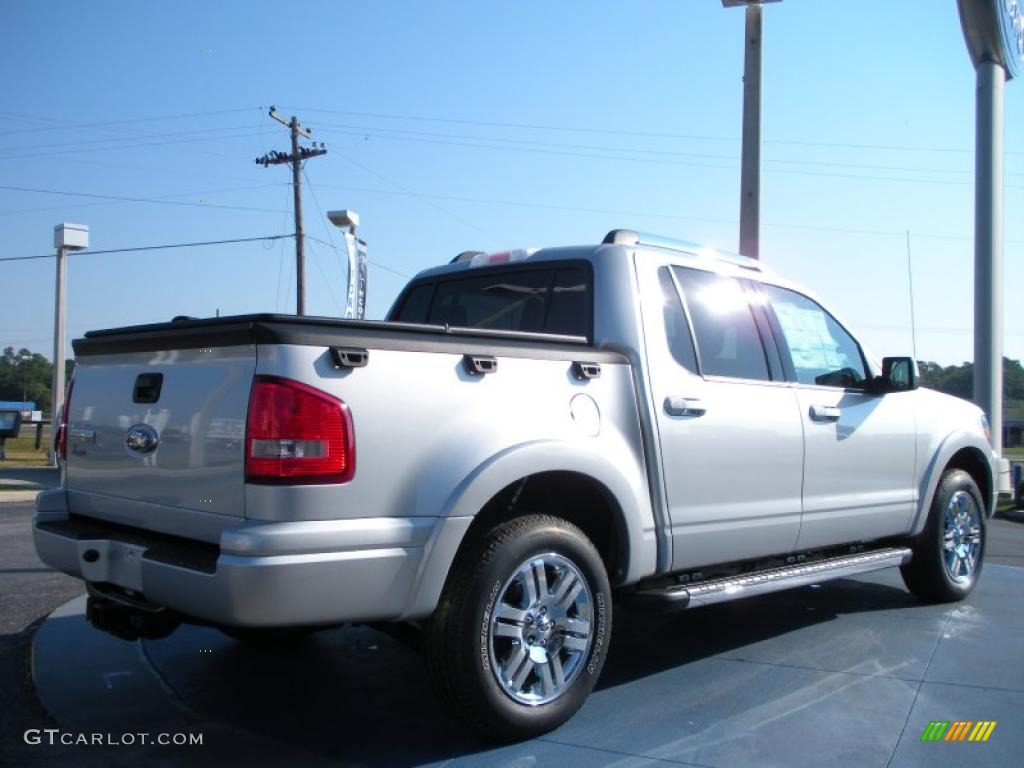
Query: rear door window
point(728, 341)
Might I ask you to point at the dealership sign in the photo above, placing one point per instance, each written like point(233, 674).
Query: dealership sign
point(994, 30)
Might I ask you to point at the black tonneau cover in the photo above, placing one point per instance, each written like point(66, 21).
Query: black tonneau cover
point(237, 330)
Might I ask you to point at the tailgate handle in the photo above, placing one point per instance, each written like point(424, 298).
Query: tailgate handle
point(147, 387)
point(584, 370)
point(349, 357)
point(480, 365)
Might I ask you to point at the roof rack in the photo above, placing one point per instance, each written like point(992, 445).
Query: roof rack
point(632, 237)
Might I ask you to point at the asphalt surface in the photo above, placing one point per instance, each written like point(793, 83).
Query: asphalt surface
point(31, 592)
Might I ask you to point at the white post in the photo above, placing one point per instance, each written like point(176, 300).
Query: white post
point(66, 237)
point(57, 388)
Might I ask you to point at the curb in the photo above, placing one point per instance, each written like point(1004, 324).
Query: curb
point(9, 497)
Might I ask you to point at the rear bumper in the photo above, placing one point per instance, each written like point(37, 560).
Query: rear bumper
point(262, 574)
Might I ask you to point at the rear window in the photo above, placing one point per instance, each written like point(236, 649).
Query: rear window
point(533, 300)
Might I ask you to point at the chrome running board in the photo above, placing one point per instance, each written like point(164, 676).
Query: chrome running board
point(771, 580)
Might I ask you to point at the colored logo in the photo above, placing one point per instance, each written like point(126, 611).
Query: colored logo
point(958, 730)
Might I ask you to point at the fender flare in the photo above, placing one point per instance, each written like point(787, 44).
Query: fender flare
point(511, 465)
point(952, 444)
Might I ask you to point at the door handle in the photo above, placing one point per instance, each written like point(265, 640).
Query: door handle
point(684, 406)
point(824, 413)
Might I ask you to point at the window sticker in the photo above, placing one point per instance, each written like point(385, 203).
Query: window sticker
point(810, 343)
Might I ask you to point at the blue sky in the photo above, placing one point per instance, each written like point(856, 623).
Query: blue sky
point(473, 125)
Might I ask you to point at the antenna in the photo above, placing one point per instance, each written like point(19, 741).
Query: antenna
point(910, 281)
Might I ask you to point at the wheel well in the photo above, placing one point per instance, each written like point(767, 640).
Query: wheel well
point(572, 496)
point(973, 463)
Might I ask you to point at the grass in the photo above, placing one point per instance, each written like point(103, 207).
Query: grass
point(1013, 453)
point(21, 451)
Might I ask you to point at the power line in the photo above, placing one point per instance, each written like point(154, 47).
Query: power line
point(646, 214)
point(323, 219)
point(158, 199)
point(125, 199)
point(78, 126)
point(327, 282)
point(374, 131)
point(131, 146)
point(84, 143)
point(153, 247)
point(408, 191)
point(690, 164)
point(368, 261)
point(648, 134)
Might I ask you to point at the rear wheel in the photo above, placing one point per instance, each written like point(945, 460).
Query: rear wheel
point(521, 633)
point(949, 553)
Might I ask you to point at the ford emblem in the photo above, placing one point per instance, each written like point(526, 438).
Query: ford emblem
point(141, 438)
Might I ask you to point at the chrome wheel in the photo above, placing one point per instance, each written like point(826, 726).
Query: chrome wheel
point(961, 541)
point(540, 629)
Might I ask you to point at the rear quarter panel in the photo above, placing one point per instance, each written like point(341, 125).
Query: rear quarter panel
point(434, 440)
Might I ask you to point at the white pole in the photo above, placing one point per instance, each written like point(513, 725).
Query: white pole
point(57, 392)
point(988, 248)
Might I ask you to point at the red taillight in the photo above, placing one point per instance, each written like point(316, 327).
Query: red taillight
point(62, 428)
point(296, 434)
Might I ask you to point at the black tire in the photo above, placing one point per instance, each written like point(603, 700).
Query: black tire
point(268, 637)
point(927, 575)
point(458, 647)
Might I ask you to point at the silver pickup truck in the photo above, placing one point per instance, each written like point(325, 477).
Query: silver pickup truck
point(528, 437)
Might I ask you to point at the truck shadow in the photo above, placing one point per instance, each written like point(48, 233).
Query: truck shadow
point(358, 696)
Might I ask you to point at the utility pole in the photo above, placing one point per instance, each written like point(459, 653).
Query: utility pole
point(296, 157)
point(750, 172)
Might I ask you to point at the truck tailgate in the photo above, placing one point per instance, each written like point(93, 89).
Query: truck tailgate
point(192, 402)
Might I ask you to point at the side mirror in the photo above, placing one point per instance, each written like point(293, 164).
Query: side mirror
point(899, 374)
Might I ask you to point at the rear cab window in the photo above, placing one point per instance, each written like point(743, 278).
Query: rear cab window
point(545, 298)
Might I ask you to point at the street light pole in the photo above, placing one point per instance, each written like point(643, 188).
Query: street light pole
point(994, 33)
point(988, 248)
point(348, 222)
point(750, 173)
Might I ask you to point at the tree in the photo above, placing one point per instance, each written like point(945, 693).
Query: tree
point(28, 375)
point(959, 379)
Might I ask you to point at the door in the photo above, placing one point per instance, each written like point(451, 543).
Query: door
point(729, 427)
point(859, 465)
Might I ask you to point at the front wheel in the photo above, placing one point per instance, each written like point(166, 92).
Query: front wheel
point(521, 633)
point(949, 553)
